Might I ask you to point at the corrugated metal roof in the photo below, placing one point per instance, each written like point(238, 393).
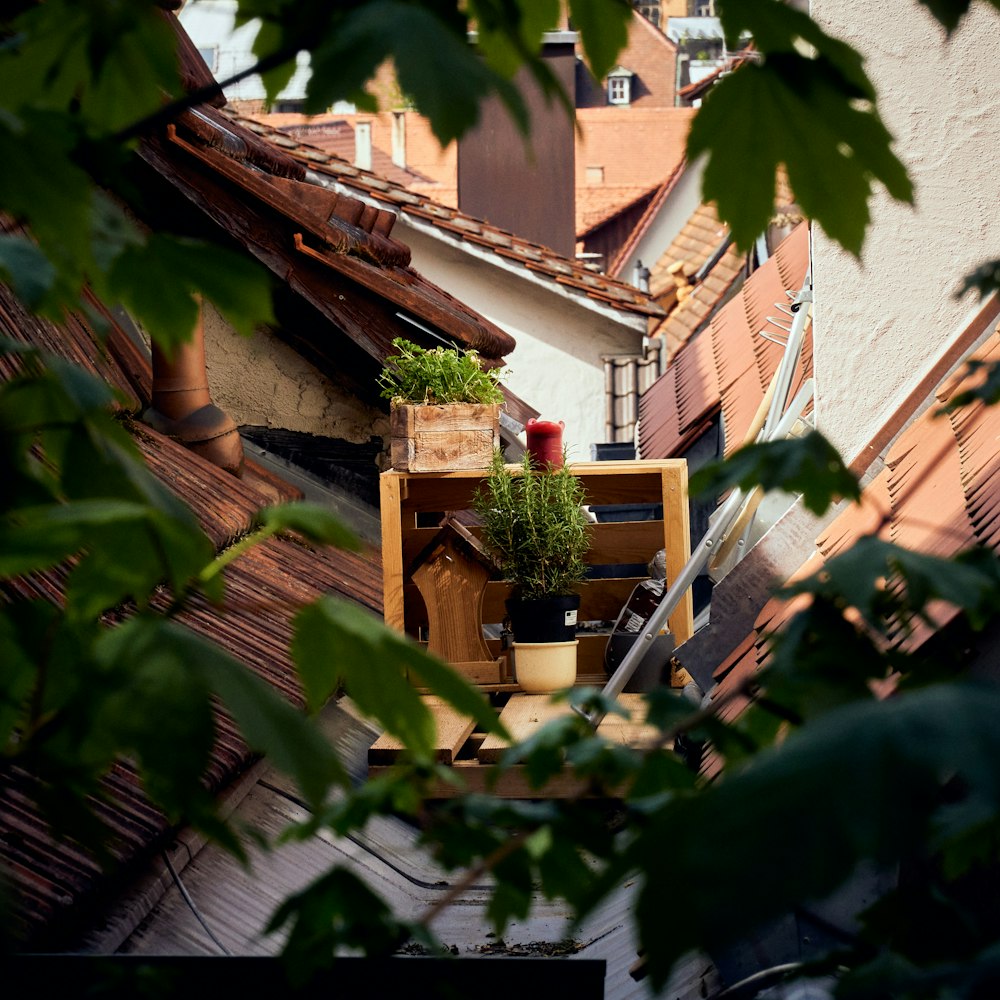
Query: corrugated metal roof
point(237, 902)
point(937, 495)
point(728, 365)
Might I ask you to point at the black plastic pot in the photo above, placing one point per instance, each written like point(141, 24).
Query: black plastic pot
point(544, 619)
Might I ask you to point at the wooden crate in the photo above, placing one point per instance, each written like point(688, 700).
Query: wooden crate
point(432, 438)
point(405, 496)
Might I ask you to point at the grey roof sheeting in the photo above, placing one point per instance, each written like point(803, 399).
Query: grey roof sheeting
point(236, 902)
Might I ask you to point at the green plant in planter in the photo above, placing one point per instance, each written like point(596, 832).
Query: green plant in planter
point(534, 528)
point(440, 375)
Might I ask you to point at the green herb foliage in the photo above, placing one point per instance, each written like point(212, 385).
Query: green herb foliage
point(534, 527)
point(439, 375)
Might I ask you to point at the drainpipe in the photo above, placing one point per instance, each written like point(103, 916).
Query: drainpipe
point(183, 409)
point(363, 145)
point(399, 138)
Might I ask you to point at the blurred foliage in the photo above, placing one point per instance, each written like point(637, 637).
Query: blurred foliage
point(820, 775)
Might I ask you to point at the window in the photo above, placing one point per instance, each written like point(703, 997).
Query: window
point(211, 57)
point(619, 86)
point(650, 11)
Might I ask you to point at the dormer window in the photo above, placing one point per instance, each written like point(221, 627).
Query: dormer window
point(620, 85)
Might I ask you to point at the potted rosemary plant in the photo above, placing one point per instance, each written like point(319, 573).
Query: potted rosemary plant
point(445, 408)
point(535, 530)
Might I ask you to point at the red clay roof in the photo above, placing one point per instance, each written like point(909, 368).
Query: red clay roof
point(572, 277)
point(938, 494)
point(689, 304)
point(729, 365)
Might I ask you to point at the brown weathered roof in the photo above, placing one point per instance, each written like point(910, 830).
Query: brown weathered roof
point(50, 877)
point(729, 365)
point(570, 276)
point(322, 243)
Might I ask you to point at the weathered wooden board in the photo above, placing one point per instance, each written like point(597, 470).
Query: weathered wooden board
point(454, 437)
point(523, 715)
point(453, 729)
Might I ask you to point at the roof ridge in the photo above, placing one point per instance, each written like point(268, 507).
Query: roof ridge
point(536, 258)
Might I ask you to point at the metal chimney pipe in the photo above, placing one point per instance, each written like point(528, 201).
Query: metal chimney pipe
point(182, 407)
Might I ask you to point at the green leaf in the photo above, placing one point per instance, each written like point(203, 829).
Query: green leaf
point(339, 642)
point(857, 579)
point(268, 723)
point(818, 124)
point(335, 911)
point(863, 781)
point(159, 281)
point(39, 537)
point(20, 669)
point(809, 465)
point(345, 59)
point(269, 40)
point(29, 272)
point(313, 521)
point(603, 27)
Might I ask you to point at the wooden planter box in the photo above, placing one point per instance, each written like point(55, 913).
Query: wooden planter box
point(455, 437)
point(412, 505)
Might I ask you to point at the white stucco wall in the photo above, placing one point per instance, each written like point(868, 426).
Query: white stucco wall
point(879, 324)
point(212, 27)
point(557, 366)
point(681, 204)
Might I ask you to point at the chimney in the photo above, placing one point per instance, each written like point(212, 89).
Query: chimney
point(363, 145)
point(183, 409)
point(399, 139)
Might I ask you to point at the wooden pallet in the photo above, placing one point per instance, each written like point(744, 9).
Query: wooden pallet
point(474, 755)
point(414, 503)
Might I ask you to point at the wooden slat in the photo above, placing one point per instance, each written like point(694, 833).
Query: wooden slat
point(677, 530)
point(392, 552)
point(523, 715)
point(511, 784)
point(632, 731)
point(453, 730)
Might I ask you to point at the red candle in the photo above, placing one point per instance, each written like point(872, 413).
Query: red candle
point(545, 443)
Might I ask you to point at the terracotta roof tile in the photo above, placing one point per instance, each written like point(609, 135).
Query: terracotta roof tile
point(938, 494)
point(541, 261)
point(729, 364)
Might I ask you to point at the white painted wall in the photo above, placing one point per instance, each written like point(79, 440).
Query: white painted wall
point(880, 323)
point(557, 366)
point(212, 25)
point(681, 204)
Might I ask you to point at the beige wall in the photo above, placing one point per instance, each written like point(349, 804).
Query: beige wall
point(880, 323)
point(260, 380)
